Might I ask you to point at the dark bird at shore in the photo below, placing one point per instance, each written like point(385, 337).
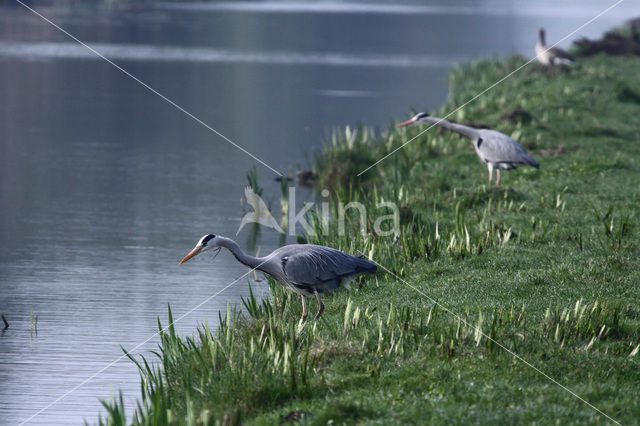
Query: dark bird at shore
point(496, 149)
point(306, 269)
point(550, 56)
point(304, 178)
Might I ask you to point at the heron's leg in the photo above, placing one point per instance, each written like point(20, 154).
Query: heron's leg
point(304, 308)
point(320, 305)
point(498, 178)
point(490, 172)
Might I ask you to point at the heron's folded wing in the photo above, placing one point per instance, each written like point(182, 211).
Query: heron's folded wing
point(559, 53)
point(315, 265)
point(498, 147)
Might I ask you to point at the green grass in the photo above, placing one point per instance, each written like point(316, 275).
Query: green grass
point(547, 266)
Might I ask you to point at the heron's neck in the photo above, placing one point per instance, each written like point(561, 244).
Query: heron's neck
point(541, 38)
point(234, 248)
point(467, 131)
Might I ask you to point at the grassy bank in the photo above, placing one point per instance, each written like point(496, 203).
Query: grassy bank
point(547, 265)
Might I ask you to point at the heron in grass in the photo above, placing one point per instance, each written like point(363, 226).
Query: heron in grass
point(496, 149)
point(551, 55)
point(306, 269)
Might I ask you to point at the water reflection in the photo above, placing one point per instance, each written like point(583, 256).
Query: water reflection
point(39, 51)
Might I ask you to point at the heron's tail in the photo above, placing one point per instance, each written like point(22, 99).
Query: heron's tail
point(365, 265)
point(564, 61)
point(530, 161)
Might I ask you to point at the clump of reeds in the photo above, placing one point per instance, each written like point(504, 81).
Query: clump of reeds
point(347, 152)
point(594, 322)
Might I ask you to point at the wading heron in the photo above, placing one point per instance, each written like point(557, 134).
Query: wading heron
point(496, 149)
point(551, 56)
point(306, 269)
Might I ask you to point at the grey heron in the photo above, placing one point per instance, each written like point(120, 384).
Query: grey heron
point(306, 269)
point(551, 55)
point(496, 149)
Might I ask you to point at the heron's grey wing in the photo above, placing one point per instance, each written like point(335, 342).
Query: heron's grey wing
point(319, 268)
point(559, 53)
point(497, 147)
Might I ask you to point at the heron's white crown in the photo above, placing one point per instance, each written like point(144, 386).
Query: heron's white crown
point(207, 242)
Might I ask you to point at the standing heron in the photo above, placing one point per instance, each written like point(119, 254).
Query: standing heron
point(551, 55)
point(305, 269)
point(496, 149)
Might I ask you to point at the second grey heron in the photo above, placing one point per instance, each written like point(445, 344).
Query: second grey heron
point(496, 149)
point(306, 269)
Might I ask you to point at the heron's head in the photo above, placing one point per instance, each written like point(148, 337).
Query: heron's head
point(416, 119)
point(205, 243)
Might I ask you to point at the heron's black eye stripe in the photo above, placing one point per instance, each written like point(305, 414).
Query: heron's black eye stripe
point(207, 238)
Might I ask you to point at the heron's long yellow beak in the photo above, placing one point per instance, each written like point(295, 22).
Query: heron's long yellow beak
point(192, 253)
point(406, 123)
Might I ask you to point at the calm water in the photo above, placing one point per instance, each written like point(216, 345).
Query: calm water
point(104, 186)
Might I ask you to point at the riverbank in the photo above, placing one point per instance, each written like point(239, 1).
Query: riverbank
point(547, 265)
